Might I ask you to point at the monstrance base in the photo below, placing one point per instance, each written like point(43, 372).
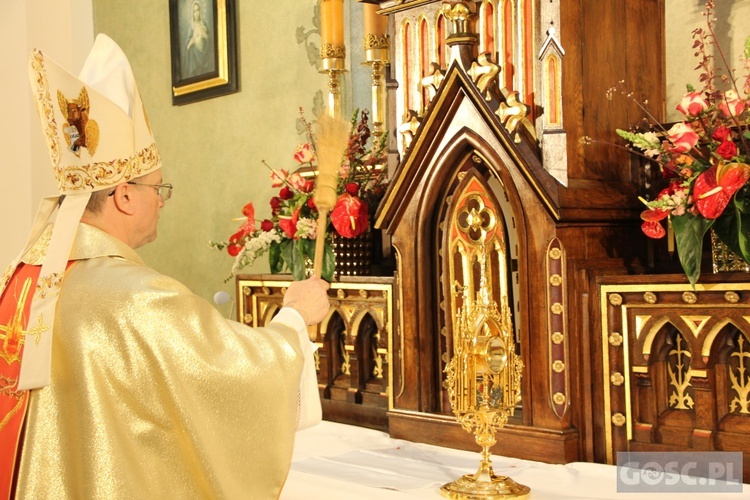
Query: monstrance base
point(469, 487)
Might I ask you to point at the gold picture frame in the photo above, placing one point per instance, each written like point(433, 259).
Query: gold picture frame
point(203, 40)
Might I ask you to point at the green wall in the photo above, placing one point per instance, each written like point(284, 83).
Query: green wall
point(212, 150)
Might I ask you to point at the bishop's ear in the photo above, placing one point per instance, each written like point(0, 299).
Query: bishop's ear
point(124, 198)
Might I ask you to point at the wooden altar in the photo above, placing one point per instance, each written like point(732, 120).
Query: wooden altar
point(565, 211)
point(492, 102)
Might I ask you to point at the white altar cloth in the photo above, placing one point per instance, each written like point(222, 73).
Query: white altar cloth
point(335, 461)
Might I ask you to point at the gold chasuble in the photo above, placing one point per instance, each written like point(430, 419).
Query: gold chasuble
point(153, 394)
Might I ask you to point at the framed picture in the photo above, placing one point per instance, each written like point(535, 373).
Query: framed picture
point(204, 49)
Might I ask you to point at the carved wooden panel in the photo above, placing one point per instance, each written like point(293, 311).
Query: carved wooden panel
point(353, 360)
point(675, 366)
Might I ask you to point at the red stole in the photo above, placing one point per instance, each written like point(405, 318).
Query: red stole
point(15, 305)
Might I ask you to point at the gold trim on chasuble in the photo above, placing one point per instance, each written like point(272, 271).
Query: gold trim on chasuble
point(93, 176)
point(12, 334)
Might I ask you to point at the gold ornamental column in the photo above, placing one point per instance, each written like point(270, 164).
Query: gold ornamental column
point(332, 50)
point(376, 56)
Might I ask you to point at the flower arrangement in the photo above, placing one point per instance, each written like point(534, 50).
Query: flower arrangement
point(288, 234)
point(703, 159)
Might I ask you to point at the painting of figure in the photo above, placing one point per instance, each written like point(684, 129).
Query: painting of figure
point(198, 38)
point(203, 39)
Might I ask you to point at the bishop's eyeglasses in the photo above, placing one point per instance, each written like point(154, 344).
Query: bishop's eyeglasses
point(163, 190)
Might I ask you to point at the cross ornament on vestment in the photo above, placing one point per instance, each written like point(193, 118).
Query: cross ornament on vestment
point(13, 335)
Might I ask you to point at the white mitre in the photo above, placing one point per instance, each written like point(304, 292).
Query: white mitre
point(98, 136)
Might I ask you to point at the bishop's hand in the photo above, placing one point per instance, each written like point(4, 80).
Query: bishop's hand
point(309, 298)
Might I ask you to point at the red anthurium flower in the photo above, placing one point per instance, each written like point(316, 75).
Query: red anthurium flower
point(654, 215)
point(653, 230)
point(715, 187)
point(289, 224)
point(234, 247)
point(651, 227)
point(249, 211)
point(350, 216)
point(249, 225)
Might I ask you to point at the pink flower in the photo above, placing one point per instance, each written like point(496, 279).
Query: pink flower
point(278, 177)
point(344, 170)
point(296, 181)
point(692, 104)
point(727, 150)
point(304, 154)
point(731, 105)
point(682, 137)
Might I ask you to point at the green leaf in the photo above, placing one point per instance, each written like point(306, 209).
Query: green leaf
point(689, 231)
point(329, 263)
point(274, 258)
point(307, 247)
point(298, 260)
point(287, 249)
point(733, 229)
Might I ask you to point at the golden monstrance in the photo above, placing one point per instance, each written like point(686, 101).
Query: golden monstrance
point(484, 386)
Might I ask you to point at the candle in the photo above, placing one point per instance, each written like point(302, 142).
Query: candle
point(375, 24)
point(332, 22)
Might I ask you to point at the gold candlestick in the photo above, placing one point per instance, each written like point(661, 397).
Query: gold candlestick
point(333, 57)
point(376, 56)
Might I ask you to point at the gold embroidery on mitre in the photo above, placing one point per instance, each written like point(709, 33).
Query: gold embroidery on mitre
point(44, 107)
point(12, 334)
point(105, 174)
point(6, 389)
point(48, 285)
point(77, 122)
